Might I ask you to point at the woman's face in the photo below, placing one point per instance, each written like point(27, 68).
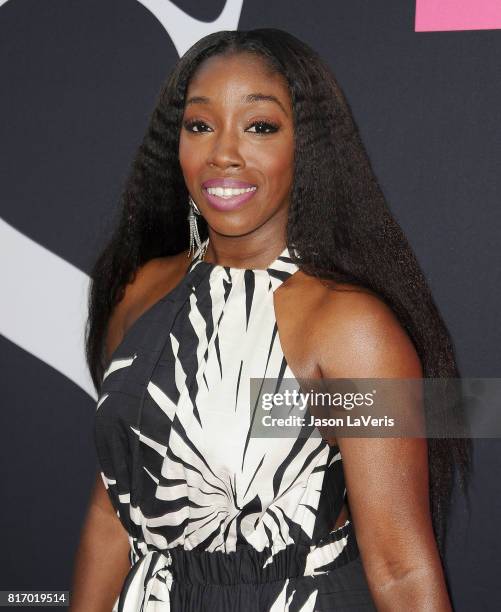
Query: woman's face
point(231, 138)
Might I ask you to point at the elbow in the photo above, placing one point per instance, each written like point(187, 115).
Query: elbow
point(402, 585)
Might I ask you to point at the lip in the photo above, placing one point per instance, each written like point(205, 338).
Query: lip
point(226, 204)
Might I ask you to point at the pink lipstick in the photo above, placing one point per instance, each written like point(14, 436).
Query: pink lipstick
point(228, 194)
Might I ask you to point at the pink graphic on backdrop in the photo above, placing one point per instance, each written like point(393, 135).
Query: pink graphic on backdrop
point(444, 15)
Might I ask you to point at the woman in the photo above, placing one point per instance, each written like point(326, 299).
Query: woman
point(299, 271)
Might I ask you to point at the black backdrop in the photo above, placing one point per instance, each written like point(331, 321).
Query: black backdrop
point(79, 80)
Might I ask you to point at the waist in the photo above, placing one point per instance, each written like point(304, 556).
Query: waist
point(248, 565)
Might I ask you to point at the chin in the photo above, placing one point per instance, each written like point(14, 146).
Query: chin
point(232, 224)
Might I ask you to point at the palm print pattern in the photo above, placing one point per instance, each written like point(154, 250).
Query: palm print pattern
point(206, 504)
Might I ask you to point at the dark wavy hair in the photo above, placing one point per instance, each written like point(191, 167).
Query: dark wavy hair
point(339, 223)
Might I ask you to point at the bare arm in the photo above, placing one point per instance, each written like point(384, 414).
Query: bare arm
point(101, 562)
point(386, 478)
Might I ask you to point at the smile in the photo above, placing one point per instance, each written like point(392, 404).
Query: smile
point(228, 193)
point(224, 198)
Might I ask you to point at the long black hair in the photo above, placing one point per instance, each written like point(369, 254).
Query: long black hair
point(339, 222)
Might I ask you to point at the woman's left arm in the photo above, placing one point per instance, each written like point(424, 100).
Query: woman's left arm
point(386, 478)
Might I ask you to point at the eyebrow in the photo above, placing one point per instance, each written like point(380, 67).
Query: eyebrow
point(247, 99)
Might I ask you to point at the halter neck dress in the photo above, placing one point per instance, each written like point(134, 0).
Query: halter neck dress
point(219, 520)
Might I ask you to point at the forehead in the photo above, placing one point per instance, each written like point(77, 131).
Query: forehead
point(224, 75)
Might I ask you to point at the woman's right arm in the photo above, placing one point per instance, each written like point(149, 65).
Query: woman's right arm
point(102, 562)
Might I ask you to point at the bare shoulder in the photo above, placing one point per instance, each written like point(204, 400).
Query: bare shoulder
point(352, 331)
point(150, 282)
point(326, 301)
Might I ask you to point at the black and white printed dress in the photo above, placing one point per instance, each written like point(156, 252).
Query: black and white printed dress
point(219, 520)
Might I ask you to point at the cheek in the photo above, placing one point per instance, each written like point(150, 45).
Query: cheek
point(277, 163)
point(190, 158)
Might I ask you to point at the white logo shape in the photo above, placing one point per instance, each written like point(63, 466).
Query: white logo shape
point(44, 305)
point(185, 30)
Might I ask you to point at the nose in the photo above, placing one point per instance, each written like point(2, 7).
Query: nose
point(225, 152)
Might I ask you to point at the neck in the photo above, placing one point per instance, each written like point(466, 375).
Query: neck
point(242, 252)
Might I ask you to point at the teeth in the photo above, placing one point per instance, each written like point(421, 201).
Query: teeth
point(228, 193)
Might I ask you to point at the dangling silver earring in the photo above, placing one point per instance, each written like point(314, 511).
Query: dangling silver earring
point(194, 235)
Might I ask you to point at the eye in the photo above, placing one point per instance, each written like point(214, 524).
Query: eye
point(191, 125)
point(265, 127)
point(196, 126)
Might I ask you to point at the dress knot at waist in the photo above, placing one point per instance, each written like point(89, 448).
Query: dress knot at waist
point(149, 579)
